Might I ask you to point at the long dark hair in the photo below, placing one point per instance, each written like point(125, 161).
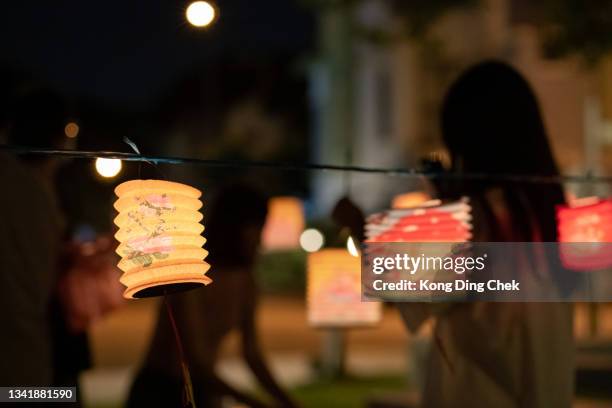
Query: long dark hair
point(491, 123)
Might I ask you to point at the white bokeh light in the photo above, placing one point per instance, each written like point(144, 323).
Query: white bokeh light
point(311, 240)
point(200, 13)
point(108, 167)
point(351, 247)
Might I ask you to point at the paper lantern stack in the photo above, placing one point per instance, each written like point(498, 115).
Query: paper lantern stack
point(334, 291)
point(585, 233)
point(433, 228)
point(431, 222)
point(160, 241)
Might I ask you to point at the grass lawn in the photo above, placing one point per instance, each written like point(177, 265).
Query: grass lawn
point(349, 392)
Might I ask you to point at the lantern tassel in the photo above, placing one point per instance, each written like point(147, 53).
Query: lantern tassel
point(188, 398)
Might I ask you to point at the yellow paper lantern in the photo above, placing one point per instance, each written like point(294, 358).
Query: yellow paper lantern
point(160, 241)
point(284, 224)
point(334, 291)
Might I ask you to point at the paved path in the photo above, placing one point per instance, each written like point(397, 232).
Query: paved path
point(120, 340)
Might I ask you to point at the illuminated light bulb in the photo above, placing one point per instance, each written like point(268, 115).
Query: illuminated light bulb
point(71, 130)
point(200, 13)
point(311, 240)
point(108, 168)
point(351, 247)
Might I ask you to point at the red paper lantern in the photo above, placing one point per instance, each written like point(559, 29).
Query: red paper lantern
point(436, 222)
point(585, 234)
point(284, 224)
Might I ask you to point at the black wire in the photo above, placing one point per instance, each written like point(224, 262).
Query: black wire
point(401, 172)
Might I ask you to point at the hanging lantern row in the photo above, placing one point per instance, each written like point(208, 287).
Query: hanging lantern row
point(585, 234)
point(433, 221)
point(160, 241)
point(334, 291)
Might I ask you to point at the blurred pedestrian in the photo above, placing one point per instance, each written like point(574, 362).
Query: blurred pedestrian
point(30, 247)
point(52, 289)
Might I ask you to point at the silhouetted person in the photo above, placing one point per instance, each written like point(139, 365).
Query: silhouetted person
point(500, 354)
point(206, 316)
point(42, 275)
point(347, 215)
point(30, 242)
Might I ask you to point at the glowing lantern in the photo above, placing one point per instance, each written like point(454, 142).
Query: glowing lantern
point(435, 228)
point(160, 237)
point(334, 291)
point(410, 200)
point(284, 224)
point(431, 222)
point(585, 231)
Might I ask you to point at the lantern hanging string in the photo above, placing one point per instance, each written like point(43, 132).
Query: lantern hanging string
point(188, 397)
point(398, 172)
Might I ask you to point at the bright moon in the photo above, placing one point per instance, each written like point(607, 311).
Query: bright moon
point(108, 167)
point(200, 13)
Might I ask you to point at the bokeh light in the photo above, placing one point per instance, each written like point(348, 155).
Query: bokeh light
point(108, 167)
point(71, 130)
point(311, 240)
point(351, 247)
point(200, 13)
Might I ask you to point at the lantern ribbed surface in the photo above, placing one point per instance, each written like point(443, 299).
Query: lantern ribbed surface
point(160, 241)
point(433, 221)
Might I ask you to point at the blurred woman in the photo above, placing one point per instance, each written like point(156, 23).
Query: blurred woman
point(501, 354)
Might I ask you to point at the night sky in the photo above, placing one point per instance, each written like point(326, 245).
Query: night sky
point(126, 52)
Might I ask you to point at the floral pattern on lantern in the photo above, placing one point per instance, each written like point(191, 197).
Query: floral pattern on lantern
point(334, 291)
point(160, 241)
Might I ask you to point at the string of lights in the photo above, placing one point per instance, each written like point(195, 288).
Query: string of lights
point(282, 166)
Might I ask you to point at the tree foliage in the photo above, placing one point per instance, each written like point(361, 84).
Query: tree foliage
point(577, 26)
